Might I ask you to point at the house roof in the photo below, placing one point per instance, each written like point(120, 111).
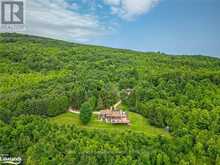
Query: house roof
point(113, 113)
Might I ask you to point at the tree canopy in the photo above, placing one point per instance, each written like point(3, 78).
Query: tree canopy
point(86, 112)
point(43, 77)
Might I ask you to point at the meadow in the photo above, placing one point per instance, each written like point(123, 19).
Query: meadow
point(138, 124)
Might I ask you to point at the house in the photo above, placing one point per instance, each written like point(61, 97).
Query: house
point(114, 116)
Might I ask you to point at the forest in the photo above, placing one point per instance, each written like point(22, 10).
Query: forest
point(40, 78)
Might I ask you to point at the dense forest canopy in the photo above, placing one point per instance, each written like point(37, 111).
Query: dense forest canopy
point(41, 78)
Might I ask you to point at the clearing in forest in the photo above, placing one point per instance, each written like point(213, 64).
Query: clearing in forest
point(138, 124)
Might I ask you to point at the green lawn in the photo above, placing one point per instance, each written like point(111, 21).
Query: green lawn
point(138, 124)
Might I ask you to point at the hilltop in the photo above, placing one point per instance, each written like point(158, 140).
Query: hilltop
point(138, 124)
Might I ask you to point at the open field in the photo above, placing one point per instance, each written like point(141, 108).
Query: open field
point(138, 124)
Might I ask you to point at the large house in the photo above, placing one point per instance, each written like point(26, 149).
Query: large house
point(114, 116)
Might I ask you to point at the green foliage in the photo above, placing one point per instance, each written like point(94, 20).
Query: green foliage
point(39, 142)
point(86, 112)
point(44, 77)
point(57, 105)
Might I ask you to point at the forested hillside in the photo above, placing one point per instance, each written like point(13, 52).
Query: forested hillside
point(41, 78)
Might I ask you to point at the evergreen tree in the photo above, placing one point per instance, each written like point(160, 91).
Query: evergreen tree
point(86, 112)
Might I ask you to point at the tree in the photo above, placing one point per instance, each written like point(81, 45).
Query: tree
point(100, 104)
point(57, 105)
point(5, 115)
point(110, 94)
point(77, 96)
point(85, 112)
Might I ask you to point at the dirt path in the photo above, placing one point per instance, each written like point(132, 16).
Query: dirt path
point(78, 112)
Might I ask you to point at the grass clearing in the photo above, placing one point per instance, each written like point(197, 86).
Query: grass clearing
point(138, 124)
